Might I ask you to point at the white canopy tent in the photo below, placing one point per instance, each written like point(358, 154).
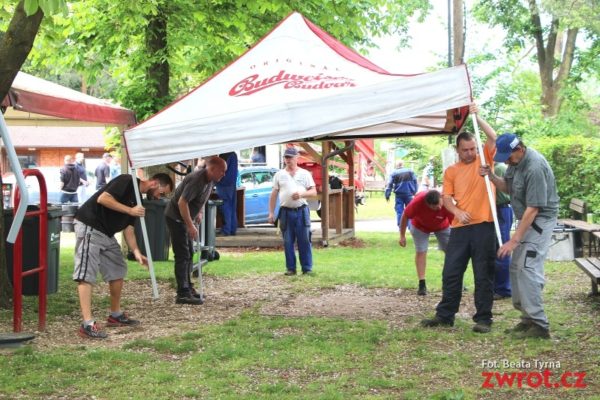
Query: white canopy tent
point(300, 84)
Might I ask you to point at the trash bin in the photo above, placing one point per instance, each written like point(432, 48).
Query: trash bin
point(565, 245)
point(158, 234)
point(31, 248)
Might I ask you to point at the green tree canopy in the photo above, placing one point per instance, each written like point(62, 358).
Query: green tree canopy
point(155, 50)
point(554, 27)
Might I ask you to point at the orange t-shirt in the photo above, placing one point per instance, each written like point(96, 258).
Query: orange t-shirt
point(467, 188)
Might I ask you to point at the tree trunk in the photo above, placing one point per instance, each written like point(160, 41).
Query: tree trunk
point(15, 45)
point(551, 98)
point(158, 70)
point(458, 31)
point(550, 101)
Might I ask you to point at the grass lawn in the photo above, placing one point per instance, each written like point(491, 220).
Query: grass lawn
point(351, 331)
point(376, 207)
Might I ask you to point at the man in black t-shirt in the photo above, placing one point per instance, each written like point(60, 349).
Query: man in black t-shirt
point(110, 210)
point(184, 207)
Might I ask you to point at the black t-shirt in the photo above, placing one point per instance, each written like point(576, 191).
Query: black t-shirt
point(104, 219)
point(195, 189)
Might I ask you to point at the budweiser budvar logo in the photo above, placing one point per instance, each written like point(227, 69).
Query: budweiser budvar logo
point(254, 83)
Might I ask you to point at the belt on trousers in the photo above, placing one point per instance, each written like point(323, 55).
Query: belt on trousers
point(504, 205)
point(294, 208)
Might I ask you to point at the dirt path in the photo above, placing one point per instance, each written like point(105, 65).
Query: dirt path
point(227, 298)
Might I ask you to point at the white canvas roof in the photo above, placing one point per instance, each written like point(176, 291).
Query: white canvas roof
point(300, 84)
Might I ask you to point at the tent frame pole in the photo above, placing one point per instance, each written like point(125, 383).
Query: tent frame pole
point(138, 199)
point(488, 185)
point(19, 216)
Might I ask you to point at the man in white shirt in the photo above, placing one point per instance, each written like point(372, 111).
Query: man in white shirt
point(293, 185)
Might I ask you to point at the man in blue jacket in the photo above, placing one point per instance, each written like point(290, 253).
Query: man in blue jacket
point(403, 182)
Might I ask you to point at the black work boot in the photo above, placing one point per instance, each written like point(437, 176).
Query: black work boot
point(422, 288)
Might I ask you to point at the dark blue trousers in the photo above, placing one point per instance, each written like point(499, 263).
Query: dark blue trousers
point(502, 278)
point(228, 209)
point(402, 201)
point(476, 243)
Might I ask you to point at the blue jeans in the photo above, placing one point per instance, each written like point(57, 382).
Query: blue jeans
point(502, 278)
point(402, 201)
point(295, 226)
point(68, 197)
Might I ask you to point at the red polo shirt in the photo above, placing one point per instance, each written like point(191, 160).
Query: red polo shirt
point(424, 218)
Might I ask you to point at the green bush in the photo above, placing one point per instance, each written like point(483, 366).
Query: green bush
point(574, 160)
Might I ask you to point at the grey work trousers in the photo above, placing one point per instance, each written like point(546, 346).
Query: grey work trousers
point(527, 271)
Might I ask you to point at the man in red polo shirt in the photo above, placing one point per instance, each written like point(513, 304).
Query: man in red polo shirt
point(427, 215)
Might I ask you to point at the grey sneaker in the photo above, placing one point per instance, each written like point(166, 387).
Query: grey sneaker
point(482, 327)
point(121, 320)
point(92, 332)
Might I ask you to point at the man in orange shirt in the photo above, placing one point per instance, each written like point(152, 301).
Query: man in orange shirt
point(472, 236)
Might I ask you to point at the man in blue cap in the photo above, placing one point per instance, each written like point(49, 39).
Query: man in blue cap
point(293, 185)
point(530, 182)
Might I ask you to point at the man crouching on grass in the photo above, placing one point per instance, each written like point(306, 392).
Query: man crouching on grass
point(110, 210)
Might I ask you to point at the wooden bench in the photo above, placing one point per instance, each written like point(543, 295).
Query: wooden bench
point(374, 187)
point(578, 215)
point(591, 266)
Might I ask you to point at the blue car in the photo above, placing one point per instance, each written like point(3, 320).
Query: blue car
point(258, 182)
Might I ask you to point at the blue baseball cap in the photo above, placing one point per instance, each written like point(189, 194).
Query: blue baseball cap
point(290, 152)
point(505, 145)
